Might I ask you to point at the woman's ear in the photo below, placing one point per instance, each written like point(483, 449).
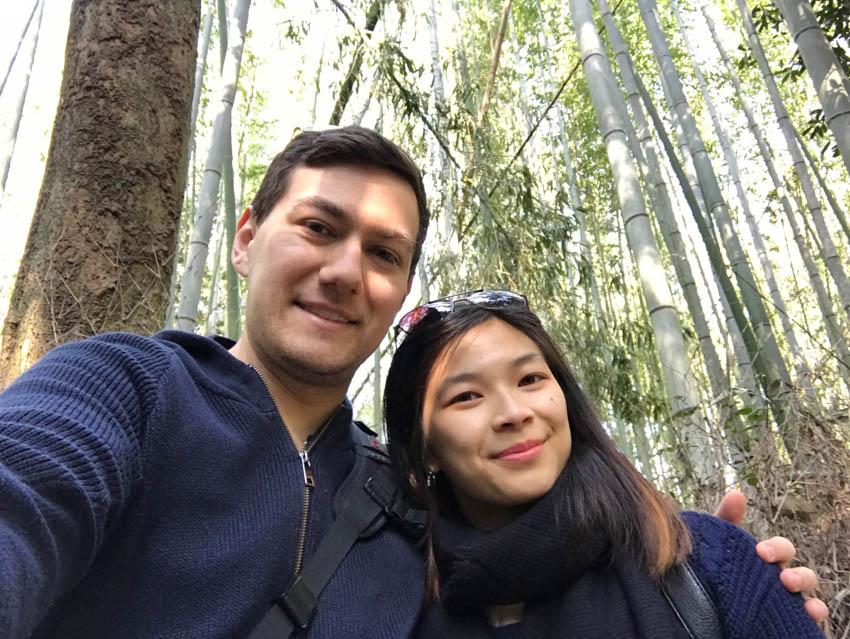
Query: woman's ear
point(432, 465)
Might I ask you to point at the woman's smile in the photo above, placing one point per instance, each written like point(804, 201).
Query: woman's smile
point(522, 452)
point(495, 421)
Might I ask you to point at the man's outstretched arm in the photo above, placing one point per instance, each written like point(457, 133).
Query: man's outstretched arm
point(71, 432)
point(776, 550)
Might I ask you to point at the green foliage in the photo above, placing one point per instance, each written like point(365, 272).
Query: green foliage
point(505, 217)
point(833, 16)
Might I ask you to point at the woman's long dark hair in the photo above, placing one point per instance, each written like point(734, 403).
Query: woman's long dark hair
point(603, 492)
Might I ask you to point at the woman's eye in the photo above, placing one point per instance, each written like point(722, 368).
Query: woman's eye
point(532, 378)
point(465, 396)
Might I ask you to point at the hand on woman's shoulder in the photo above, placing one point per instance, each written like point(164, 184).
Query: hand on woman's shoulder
point(750, 598)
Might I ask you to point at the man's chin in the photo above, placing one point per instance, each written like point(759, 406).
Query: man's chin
point(314, 369)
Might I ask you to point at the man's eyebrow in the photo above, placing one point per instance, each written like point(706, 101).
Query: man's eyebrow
point(327, 206)
point(340, 214)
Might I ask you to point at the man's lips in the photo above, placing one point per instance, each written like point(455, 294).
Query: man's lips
point(327, 312)
point(521, 452)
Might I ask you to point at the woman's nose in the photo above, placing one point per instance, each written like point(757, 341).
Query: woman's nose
point(513, 412)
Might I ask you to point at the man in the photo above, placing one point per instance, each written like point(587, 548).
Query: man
point(172, 486)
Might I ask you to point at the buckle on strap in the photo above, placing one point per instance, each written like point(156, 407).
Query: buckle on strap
point(299, 602)
point(381, 490)
point(386, 494)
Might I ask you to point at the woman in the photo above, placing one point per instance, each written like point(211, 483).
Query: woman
point(542, 528)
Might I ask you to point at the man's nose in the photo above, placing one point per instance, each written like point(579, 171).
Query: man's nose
point(344, 268)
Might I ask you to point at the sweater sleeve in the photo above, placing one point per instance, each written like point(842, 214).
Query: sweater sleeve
point(750, 598)
point(71, 440)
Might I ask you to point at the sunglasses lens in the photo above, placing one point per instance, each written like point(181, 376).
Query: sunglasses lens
point(444, 306)
point(497, 299)
point(412, 318)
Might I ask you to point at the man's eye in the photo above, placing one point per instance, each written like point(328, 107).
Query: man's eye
point(386, 256)
point(317, 227)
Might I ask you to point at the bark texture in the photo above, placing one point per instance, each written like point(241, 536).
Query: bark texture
point(99, 253)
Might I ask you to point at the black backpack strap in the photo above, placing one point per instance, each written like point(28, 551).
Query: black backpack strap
point(365, 500)
point(691, 603)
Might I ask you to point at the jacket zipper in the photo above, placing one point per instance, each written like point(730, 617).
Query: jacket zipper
point(306, 470)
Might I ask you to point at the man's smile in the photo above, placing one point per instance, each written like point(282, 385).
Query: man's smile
point(326, 311)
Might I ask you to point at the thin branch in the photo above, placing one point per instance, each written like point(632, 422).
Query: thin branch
point(543, 115)
point(18, 48)
point(342, 10)
point(494, 65)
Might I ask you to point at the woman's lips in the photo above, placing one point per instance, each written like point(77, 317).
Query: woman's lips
point(521, 452)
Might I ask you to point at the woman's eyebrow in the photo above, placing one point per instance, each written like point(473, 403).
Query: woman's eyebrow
point(524, 359)
point(468, 376)
point(457, 379)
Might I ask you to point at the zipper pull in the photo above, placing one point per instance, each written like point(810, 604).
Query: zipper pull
point(307, 469)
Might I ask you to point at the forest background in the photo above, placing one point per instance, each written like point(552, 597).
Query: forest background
point(668, 184)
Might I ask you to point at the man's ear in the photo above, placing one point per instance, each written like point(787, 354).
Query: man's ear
point(246, 230)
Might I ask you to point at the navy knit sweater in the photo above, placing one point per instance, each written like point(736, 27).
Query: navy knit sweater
point(148, 488)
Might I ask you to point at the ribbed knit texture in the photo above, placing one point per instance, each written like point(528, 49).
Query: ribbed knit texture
point(571, 590)
point(564, 574)
point(148, 488)
point(752, 601)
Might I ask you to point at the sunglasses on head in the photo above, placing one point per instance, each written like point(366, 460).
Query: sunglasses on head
point(441, 307)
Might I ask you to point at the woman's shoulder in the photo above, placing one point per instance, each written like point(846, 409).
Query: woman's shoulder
point(750, 598)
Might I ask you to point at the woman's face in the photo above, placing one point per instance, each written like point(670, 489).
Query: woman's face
point(495, 423)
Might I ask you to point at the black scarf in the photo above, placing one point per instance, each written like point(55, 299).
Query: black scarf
point(571, 582)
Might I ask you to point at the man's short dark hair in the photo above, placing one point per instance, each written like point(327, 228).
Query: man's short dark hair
point(352, 145)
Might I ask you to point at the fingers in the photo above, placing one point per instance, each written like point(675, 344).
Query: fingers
point(732, 507)
point(817, 610)
point(799, 579)
point(776, 550)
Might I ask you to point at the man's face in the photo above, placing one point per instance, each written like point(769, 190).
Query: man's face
point(327, 270)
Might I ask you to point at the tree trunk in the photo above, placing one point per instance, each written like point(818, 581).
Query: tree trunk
point(100, 248)
point(802, 367)
point(347, 87)
point(201, 67)
point(209, 325)
point(494, 65)
point(827, 75)
point(833, 330)
point(377, 405)
point(19, 108)
point(575, 199)
point(830, 196)
point(200, 70)
point(831, 256)
point(776, 380)
point(647, 156)
point(447, 190)
point(711, 246)
point(190, 290)
point(234, 311)
point(608, 104)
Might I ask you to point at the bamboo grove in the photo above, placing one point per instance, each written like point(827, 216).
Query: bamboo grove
point(666, 180)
